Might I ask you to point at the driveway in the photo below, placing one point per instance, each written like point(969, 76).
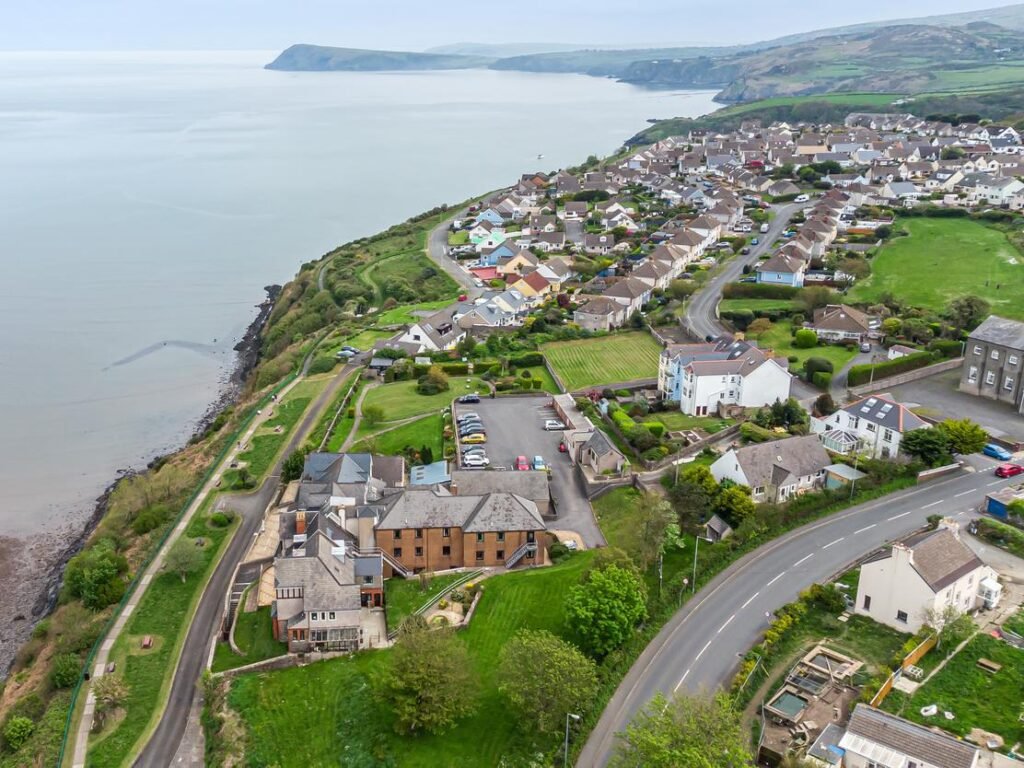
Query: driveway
point(515, 427)
point(939, 396)
point(839, 379)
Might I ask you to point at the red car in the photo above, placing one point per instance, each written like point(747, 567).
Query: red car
point(522, 463)
point(1009, 470)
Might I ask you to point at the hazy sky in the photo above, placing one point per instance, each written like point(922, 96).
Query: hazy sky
point(418, 24)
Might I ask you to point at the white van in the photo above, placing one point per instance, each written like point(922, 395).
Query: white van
point(801, 199)
point(764, 229)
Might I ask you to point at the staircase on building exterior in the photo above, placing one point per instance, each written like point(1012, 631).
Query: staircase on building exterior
point(519, 554)
point(396, 566)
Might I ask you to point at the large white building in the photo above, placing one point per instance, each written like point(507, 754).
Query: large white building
point(874, 425)
point(700, 376)
point(899, 586)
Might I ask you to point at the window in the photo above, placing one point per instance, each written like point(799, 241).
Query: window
point(1013, 360)
point(500, 554)
point(887, 435)
point(1008, 384)
point(398, 535)
point(367, 579)
point(446, 551)
point(995, 354)
point(501, 535)
point(530, 536)
point(871, 427)
point(901, 616)
point(479, 538)
point(854, 422)
point(313, 616)
point(759, 490)
point(990, 378)
point(977, 349)
point(419, 533)
point(397, 552)
point(867, 602)
point(972, 374)
point(479, 556)
point(446, 533)
point(419, 551)
point(330, 616)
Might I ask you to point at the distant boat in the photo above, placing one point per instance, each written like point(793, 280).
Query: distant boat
point(540, 157)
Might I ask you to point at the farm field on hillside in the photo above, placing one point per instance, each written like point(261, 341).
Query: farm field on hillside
point(605, 360)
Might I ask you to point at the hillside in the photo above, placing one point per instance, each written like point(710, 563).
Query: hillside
point(318, 58)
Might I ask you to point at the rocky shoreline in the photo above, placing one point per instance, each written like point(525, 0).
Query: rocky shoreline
point(31, 572)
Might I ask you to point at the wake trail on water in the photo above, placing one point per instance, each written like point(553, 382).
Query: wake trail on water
point(207, 350)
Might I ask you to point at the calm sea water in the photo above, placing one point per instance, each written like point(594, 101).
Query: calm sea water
point(145, 199)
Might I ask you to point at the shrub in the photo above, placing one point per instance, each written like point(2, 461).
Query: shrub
point(527, 360)
point(219, 520)
point(66, 669)
point(815, 364)
point(740, 318)
point(861, 374)
point(793, 359)
point(755, 434)
point(456, 369)
point(805, 338)
point(946, 347)
point(323, 364)
point(656, 428)
point(822, 380)
point(526, 374)
point(17, 731)
point(558, 552)
point(150, 518)
point(759, 291)
point(42, 629)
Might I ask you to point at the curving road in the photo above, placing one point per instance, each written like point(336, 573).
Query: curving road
point(702, 644)
point(437, 250)
point(163, 744)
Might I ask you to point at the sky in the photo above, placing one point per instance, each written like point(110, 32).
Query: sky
point(420, 24)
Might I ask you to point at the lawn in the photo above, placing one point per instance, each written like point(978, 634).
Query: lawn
point(732, 305)
point(403, 315)
point(1015, 623)
point(541, 372)
point(400, 400)
point(403, 596)
point(779, 338)
point(611, 359)
point(458, 238)
point(943, 259)
point(675, 421)
point(254, 636)
point(338, 694)
point(977, 699)
point(415, 434)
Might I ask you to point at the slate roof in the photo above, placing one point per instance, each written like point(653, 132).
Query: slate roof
point(886, 412)
point(940, 558)
point(775, 462)
point(782, 263)
point(999, 330)
point(433, 508)
point(600, 444)
point(531, 484)
point(885, 738)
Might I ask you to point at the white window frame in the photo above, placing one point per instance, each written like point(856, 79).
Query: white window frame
point(1008, 384)
point(990, 378)
point(1013, 360)
point(994, 354)
point(977, 349)
point(972, 374)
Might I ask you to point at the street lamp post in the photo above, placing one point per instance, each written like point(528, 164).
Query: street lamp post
point(696, 541)
point(574, 716)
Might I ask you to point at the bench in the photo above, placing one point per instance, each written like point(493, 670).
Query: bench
point(147, 642)
point(987, 665)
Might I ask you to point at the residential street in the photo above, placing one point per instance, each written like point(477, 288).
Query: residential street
point(437, 250)
point(701, 646)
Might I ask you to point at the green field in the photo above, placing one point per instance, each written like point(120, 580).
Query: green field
point(779, 339)
point(402, 597)
point(730, 305)
point(946, 258)
point(358, 726)
point(415, 434)
point(400, 400)
point(605, 360)
point(254, 636)
point(403, 315)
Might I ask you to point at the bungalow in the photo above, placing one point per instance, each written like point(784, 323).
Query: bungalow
point(533, 285)
point(601, 244)
point(550, 241)
point(775, 471)
point(574, 211)
point(521, 262)
point(435, 333)
point(873, 425)
point(783, 189)
point(782, 269)
point(876, 738)
point(839, 322)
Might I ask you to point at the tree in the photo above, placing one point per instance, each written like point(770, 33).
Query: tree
point(967, 312)
point(17, 731)
point(964, 435)
point(824, 405)
point(916, 329)
point(948, 622)
point(805, 338)
point(603, 610)
point(110, 692)
point(698, 731)
point(373, 414)
point(930, 445)
point(892, 326)
point(700, 475)
point(734, 503)
point(682, 289)
point(650, 526)
point(543, 677)
point(66, 670)
point(428, 683)
point(857, 268)
point(293, 466)
point(759, 326)
point(812, 298)
point(466, 346)
point(183, 558)
point(426, 455)
point(95, 575)
point(435, 380)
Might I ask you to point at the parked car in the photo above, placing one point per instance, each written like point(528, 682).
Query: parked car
point(344, 354)
point(475, 461)
point(996, 452)
point(472, 429)
point(553, 425)
point(755, 240)
point(744, 251)
point(468, 416)
point(475, 438)
point(562, 447)
point(538, 463)
point(764, 229)
point(801, 198)
point(1009, 470)
point(353, 350)
point(476, 450)
point(469, 399)
point(865, 346)
point(521, 463)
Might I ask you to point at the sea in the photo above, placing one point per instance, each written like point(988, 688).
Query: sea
point(146, 199)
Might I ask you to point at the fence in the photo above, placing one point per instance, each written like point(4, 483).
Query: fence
point(392, 634)
point(903, 378)
point(344, 404)
point(154, 552)
point(911, 658)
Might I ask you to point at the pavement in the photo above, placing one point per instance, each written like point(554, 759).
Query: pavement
point(515, 427)
point(166, 739)
point(702, 644)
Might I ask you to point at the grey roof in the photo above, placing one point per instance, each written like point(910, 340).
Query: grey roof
point(899, 735)
point(327, 581)
point(718, 525)
point(504, 512)
point(431, 474)
point(368, 566)
point(433, 508)
point(826, 746)
point(999, 330)
point(600, 444)
point(845, 471)
point(886, 412)
point(531, 484)
point(381, 362)
point(940, 558)
point(773, 462)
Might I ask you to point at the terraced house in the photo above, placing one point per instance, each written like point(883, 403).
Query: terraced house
point(994, 362)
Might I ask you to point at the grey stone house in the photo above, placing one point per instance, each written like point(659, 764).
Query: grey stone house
point(994, 362)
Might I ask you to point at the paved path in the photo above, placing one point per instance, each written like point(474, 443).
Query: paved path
point(358, 417)
point(839, 379)
point(702, 644)
point(168, 734)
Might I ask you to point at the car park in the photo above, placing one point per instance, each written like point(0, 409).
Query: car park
point(1009, 470)
point(553, 424)
point(478, 437)
point(521, 463)
point(469, 399)
point(996, 452)
point(538, 463)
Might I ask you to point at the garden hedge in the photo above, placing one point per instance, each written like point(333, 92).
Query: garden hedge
point(862, 374)
point(527, 360)
point(759, 291)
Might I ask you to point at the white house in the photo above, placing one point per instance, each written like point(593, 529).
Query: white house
point(700, 376)
point(874, 739)
point(929, 571)
point(435, 333)
point(775, 471)
point(873, 425)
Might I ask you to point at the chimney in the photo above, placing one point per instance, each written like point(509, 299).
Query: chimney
point(300, 521)
point(454, 489)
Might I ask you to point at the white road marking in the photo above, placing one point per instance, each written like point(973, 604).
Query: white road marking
point(726, 623)
point(703, 649)
point(965, 493)
point(804, 559)
point(749, 600)
point(997, 482)
point(934, 503)
point(902, 514)
point(833, 542)
point(865, 528)
point(681, 681)
point(775, 579)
